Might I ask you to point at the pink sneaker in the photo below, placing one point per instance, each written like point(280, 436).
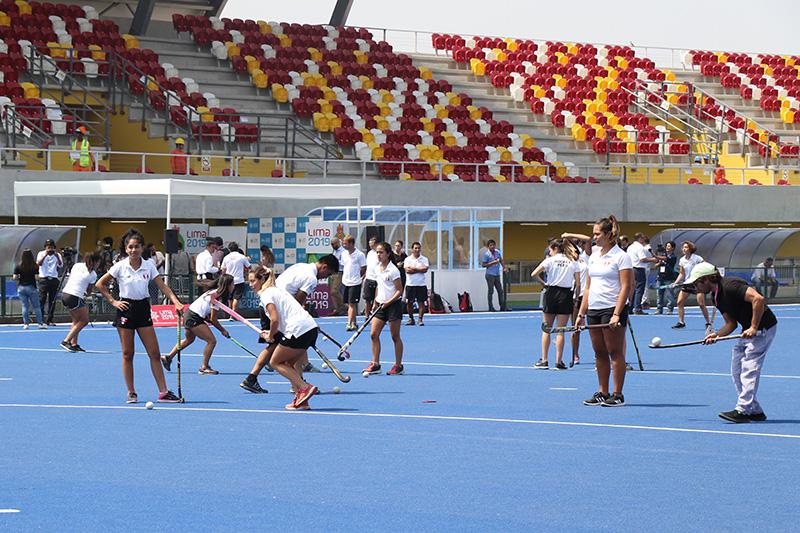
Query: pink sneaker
point(303, 395)
point(395, 371)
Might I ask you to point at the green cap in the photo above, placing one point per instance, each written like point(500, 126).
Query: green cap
point(701, 270)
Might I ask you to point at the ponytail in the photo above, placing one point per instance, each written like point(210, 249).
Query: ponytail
point(609, 225)
point(264, 274)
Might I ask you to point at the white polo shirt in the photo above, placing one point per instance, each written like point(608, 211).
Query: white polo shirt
point(385, 278)
point(352, 263)
point(299, 277)
point(372, 262)
point(604, 273)
point(583, 267)
point(202, 306)
point(689, 264)
point(637, 252)
point(49, 267)
point(204, 264)
point(560, 271)
point(234, 264)
point(293, 320)
point(338, 253)
point(79, 280)
point(418, 278)
point(133, 283)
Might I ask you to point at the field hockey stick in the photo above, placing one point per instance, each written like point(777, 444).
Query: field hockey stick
point(341, 356)
point(358, 332)
point(692, 343)
point(180, 390)
point(635, 345)
point(567, 329)
point(336, 372)
point(236, 316)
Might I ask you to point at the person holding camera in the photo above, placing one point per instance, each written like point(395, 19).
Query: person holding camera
point(49, 262)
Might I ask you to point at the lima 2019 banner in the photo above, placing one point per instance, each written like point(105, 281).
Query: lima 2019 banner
point(293, 240)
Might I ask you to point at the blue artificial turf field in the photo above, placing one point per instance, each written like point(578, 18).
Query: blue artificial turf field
point(471, 438)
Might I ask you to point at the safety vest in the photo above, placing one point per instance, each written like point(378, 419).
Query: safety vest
point(85, 156)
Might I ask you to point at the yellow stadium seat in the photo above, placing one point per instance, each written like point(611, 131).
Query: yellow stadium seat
point(787, 116)
point(454, 99)
point(336, 68)
point(24, 7)
point(97, 52)
point(316, 55)
point(386, 96)
point(425, 152)
point(578, 132)
point(279, 93)
point(56, 50)
point(205, 115)
point(449, 140)
point(29, 90)
point(477, 67)
point(5, 20)
point(233, 50)
point(260, 80)
point(527, 140)
point(511, 45)
point(130, 41)
point(264, 27)
point(381, 122)
point(441, 111)
point(285, 40)
point(361, 57)
point(367, 136)
point(425, 73)
point(325, 106)
point(591, 120)
point(622, 63)
point(474, 112)
point(377, 153)
point(572, 49)
point(366, 82)
point(405, 176)
point(506, 156)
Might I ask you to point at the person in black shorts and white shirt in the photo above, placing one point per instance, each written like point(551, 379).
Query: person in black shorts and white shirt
point(742, 305)
point(370, 283)
point(202, 310)
point(132, 275)
point(235, 264)
point(685, 265)
point(563, 276)
point(389, 297)
point(80, 282)
point(354, 268)
point(416, 265)
point(49, 261)
point(292, 330)
point(608, 287)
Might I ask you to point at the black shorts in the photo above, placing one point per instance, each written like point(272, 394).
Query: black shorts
point(558, 301)
point(370, 286)
point(72, 302)
point(417, 294)
point(603, 316)
point(192, 320)
point(391, 313)
point(238, 291)
point(137, 316)
point(352, 295)
point(303, 342)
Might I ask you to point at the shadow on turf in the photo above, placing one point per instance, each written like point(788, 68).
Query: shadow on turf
point(665, 405)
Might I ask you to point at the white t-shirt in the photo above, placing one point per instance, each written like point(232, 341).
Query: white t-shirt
point(338, 253)
point(604, 272)
point(234, 264)
point(293, 320)
point(159, 260)
point(583, 267)
point(204, 264)
point(637, 252)
point(133, 283)
point(353, 263)
point(560, 271)
point(79, 280)
point(202, 306)
point(299, 277)
point(49, 267)
point(372, 262)
point(688, 264)
point(418, 278)
point(385, 279)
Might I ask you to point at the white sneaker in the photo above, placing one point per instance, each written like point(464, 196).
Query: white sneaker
point(42, 326)
point(25, 326)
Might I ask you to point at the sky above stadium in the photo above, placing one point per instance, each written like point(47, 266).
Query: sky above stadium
point(733, 25)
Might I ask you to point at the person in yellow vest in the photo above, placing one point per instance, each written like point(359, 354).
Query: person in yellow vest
point(81, 154)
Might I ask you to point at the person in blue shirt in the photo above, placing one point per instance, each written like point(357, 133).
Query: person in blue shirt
point(493, 262)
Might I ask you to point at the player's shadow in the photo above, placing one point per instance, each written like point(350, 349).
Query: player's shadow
point(778, 421)
point(334, 410)
point(203, 402)
point(359, 393)
point(419, 375)
point(665, 405)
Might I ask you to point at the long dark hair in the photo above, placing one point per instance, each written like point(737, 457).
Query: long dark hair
point(388, 248)
point(609, 225)
point(26, 262)
point(222, 284)
point(566, 247)
point(91, 258)
point(132, 233)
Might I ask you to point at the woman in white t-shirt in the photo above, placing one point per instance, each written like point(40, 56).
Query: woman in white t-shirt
point(686, 264)
point(584, 244)
point(204, 309)
point(608, 285)
point(389, 293)
point(563, 276)
point(133, 274)
point(79, 283)
point(292, 331)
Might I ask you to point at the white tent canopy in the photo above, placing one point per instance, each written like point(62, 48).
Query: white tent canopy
point(183, 189)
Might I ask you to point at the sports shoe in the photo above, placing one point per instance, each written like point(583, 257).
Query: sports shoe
point(309, 368)
point(305, 394)
point(614, 400)
point(410, 322)
point(541, 364)
point(132, 398)
point(168, 397)
point(166, 362)
point(710, 328)
point(252, 386)
point(679, 325)
point(42, 326)
point(735, 416)
point(24, 326)
point(208, 372)
point(561, 366)
point(373, 368)
point(597, 399)
point(77, 348)
point(351, 327)
point(295, 406)
point(421, 323)
point(67, 346)
point(396, 370)
point(757, 417)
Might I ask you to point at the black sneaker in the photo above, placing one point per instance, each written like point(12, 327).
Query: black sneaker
point(757, 417)
point(410, 322)
point(310, 369)
point(252, 386)
point(168, 397)
point(679, 325)
point(77, 348)
point(561, 366)
point(737, 417)
point(597, 399)
point(541, 364)
point(614, 400)
point(67, 346)
point(166, 362)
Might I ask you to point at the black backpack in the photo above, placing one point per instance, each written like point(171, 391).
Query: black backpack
point(464, 302)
